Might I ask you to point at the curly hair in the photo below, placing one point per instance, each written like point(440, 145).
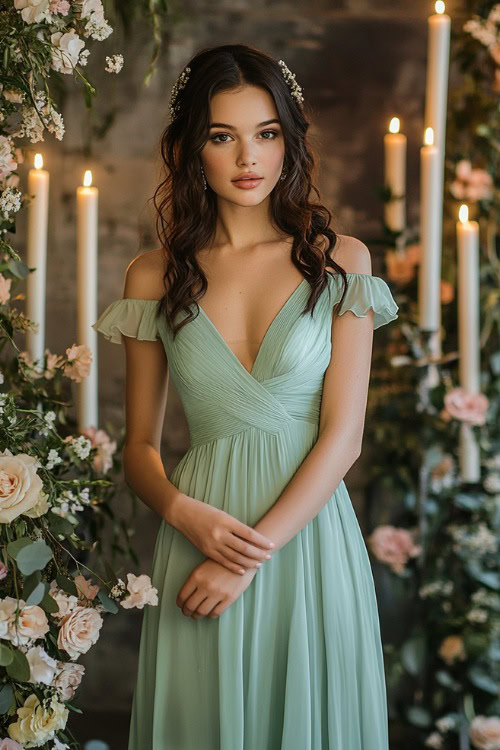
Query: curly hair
point(187, 213)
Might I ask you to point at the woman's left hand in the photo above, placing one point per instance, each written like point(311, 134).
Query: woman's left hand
point(211, 588)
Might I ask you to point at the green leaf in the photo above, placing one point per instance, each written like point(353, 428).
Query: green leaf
point(6, 655)
point(413, 654)
point(109, 604)
point(445, 678)
point(468, 502)
point(30, 583)
point(418, 716)
point(38, 593)
point(66, 584)
point(13, 548)
point(490, 578)
point(34, 557)
point(482, 680)
point(49, 604)
point(59, 525)
point(19, 668)
point(6, 698)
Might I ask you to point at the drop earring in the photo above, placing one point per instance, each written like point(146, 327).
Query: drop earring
point(204, 179)
point(283, 175)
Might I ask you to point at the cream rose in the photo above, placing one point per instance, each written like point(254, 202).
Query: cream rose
point(484, 732)
point(37, 724)
point(32, 624)
point(79, 631)
point(20, 485)
point(42, 666)
point(68, 679)
point(451, 649)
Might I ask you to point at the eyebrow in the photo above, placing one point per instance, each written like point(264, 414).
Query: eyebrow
point(231, 127)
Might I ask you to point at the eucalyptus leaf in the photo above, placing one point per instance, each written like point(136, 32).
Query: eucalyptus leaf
point(418, 716)
point(482, 680)
point(30, 583)
point(6, 655)
point(34, 557)
point(413, 654)
point(490, 578)
point(19, 668)
point(6, 698)
point(109, 604)
point(13, 548)
point(66, 584)
point(38, 593)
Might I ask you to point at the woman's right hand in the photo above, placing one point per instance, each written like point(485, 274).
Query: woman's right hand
point(220, 536)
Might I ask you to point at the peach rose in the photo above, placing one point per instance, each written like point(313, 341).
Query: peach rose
point(68, 679)
point(31, 625)
point(141, 592)
point(467, 407)
point(393, 546)
point(484, 732)
point(400, 266)
point(66, 602)
point(447, 292)
point(451, 649)
point(53, 362)
point(79, 359)
point(105, 448)
point(20, 485)
point(471, 184)
point(8, 607)
point(79, 631)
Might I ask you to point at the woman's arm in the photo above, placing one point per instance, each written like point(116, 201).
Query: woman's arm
point(343, 408)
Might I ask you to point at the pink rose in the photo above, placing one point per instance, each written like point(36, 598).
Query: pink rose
point(68, 679)
point(8, 744)
point(451, 649)
point(79, 359)
point(3, 571)
point(393, 546)
point(86, 589)
point(79, 631)
point(471, 184)
point(484, 732)
point(467, 407)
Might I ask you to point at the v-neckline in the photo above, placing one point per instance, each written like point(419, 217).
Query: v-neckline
point(273, 322)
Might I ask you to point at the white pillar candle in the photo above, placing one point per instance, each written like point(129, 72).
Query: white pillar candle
point(395, 176)
point(436, 89)
point(429, 280)
point(36, 257)
point(468, 334)
point(87, 215)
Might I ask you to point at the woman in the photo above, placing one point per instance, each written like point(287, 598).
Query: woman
point(266, 635)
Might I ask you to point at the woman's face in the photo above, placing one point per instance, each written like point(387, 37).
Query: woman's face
point(245, 136)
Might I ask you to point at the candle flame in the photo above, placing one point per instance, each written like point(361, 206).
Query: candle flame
point(439, 7)
point(429, 137)
point(394, 125)
point(463, 213)
point(38, 161)
point(87, 178)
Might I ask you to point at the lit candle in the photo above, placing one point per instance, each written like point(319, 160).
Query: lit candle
point(436, 91)
point(87, 214)
point(468, 334)
point(395, 177)
point(429, 280)
point(36, 257)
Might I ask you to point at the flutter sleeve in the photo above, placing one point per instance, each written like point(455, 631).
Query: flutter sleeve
point(364, 292)
point(129, 317)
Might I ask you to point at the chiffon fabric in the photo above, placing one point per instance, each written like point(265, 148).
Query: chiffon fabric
point(296, 662)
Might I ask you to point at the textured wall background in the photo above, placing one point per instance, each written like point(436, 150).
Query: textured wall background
point(359, 62)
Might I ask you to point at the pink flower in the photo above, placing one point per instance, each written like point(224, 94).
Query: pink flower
point(485, 732)
point(4, 289)
point(86, 589)
point(471, 184)
point(400, 266)
point(105, 448)
point(467, 407)
point(141, 592)
point(3, 571)
point(78, 366)
point(79, 631)
point(59, 6)
point(393, 546)
point(451, 649)
point(53, 362)
point(447, 292)
point(8, 744)
point(68, 679)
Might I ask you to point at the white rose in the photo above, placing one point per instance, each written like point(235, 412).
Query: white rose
point(92, 6)
point(79, 631)
point(68, 46)
point(68, 679)
point(42, 666)
point(20, 485)
point(141, 592)
point(37, 724)
point(32, 11)
point(7, 162)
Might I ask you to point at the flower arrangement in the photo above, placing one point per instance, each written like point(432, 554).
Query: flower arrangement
point(439, 542)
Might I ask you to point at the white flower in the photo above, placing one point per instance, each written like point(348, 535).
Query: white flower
point(37, 723)
point(141, 592)
point(14, 96)
point(492, 483)
point(42, 666)
point(114, 64)
point(10, 201)
point(7, 162)
point(33, 11)
point(67, 47)
point(445, 723)
point(434, 740)
point(92, 7)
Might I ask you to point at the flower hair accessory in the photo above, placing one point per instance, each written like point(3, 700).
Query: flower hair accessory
point(178, 85)
point(290, 79)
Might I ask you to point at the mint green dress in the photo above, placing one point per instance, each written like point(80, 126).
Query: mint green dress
point(296, 662)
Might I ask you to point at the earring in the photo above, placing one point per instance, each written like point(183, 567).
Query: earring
point(283, 175)
point(204, 179)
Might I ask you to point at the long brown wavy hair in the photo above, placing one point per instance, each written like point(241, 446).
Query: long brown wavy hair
point(187, 213)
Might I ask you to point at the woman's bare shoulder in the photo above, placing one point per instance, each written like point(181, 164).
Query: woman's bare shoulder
point(144, 276)
point(352, 254)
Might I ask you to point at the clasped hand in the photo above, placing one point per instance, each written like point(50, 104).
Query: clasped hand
point(210, 589)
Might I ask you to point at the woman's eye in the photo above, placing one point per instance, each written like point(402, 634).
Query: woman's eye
point(274, 133)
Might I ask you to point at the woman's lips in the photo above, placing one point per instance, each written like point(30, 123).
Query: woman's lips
point(248, 183)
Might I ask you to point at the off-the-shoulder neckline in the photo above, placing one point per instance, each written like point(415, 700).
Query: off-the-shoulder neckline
point(348, 273)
